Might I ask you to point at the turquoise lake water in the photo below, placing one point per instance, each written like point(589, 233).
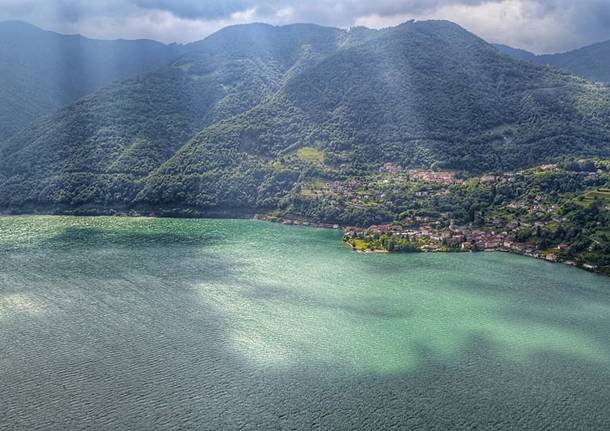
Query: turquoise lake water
point(120, 323)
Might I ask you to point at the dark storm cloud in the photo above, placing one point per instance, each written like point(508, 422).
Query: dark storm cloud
point(539, 25)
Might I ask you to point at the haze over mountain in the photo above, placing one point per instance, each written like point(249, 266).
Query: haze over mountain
point(591, 62)
point(42, 71)
point(230, 124)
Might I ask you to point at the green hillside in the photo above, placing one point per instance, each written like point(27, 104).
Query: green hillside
point(220, 129)
point(591, 62)
point(42, 71)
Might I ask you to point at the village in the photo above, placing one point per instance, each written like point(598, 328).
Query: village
point(432, 238)
point(538, 212)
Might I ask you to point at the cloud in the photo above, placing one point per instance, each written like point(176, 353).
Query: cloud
point(191, 9)
point(538, 25)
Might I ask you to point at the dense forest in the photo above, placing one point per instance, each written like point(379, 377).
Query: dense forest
point(591, 62)
point(254, 113)
point(42, 71)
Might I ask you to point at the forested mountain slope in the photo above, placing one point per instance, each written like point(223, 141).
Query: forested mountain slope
point(516, 53)
point(42, 71)
point(254, 112)
point(591, 62)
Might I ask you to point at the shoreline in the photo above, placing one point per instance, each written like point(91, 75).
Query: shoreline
point(498, 250)
point(300, 221)
point(557, 262)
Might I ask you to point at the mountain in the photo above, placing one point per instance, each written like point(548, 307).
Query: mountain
point(517, 54)
point(42, 71)
point(591, 62)
point(254, 113)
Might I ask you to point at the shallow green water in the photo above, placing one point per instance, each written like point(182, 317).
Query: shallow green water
point(123, 323)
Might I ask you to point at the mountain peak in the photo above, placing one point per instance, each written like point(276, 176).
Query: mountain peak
point(18, 28)
point(19, 24)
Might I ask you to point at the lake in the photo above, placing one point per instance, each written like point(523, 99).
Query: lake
point(136, 323)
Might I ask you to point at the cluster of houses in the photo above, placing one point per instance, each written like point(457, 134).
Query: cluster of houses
point(433, 239)
point(440, 177)
point(358, 192)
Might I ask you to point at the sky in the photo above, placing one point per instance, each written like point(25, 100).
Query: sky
point(541, 26)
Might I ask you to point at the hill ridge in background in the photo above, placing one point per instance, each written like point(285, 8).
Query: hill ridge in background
point(516, 53)
point(43, 71)
point(252, 113)
point(591, 62)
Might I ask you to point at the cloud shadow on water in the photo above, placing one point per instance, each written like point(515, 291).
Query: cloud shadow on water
point(126, 342)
